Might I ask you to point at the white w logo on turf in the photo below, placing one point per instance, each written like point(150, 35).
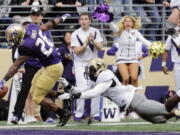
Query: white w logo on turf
point(109, 112)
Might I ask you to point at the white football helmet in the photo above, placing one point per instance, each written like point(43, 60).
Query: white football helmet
point(15, 34)
point(94, 68)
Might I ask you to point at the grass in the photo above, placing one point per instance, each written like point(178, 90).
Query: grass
point(125, 125)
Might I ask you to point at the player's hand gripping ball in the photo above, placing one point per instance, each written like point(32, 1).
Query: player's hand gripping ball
point(3, 91)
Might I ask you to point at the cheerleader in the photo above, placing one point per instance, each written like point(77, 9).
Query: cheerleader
point(127, 58)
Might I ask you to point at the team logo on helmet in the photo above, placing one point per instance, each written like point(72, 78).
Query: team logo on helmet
point(15, 34)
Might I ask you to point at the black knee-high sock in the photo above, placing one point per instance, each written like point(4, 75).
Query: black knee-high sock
point(60, 112)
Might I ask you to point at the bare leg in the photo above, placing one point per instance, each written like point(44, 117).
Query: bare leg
point(53, 93)
point(124, 73)
point(133, 69)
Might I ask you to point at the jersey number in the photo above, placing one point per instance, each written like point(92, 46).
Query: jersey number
point(44, 42)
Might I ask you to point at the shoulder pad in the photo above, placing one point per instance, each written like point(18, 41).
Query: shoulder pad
point(105, 75)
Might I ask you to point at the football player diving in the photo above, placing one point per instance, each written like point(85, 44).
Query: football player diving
point(31, 42)
point(108, 85)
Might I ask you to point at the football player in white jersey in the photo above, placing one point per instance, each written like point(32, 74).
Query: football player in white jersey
point(86, 42)
point(173, 45)
point(107, 85)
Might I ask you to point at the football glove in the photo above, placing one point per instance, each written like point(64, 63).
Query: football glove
point(66, 84)
point(66, 96)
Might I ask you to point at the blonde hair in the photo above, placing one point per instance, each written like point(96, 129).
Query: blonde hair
point(120, 24)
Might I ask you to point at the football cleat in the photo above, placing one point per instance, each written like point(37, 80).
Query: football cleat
point(64, 118)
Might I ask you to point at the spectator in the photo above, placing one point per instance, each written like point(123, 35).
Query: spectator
point(65, 52)
point(24, 8)
point(120, 8)
point(61, 7)
point(141, 13)
point(149, 12)
point(4, 19)
point(86, 42)
point(153, 13)
point(92, 3)
point(175, 13)
point(19, 11)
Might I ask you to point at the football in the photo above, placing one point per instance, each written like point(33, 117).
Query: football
point(3, 91)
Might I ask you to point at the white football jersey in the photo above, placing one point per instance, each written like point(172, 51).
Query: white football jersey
point(120, 94)
point(175, 50)
point(82, 35)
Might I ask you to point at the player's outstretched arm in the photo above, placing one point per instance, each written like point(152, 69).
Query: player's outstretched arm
point(51, 24)
point(94, 92)
point(97, 90)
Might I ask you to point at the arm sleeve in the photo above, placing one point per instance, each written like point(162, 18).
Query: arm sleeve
point(142, 39)
point(112, 50)
point(144, 50)
point(99, 37)
point(49, 36)
point(61, 53)
point(97, 90)
point(74, 40)
point(168, 44)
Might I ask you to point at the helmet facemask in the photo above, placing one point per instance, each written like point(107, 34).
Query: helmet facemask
point(90, 73)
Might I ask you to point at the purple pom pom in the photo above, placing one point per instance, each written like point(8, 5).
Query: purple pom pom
point(104, 7)
point(103, 17)
point(101, 13)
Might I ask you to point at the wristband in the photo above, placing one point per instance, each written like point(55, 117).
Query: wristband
point(70, 87)
point(163, 64)
point(77, 95)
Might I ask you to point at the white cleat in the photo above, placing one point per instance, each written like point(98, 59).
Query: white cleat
point(133, 115)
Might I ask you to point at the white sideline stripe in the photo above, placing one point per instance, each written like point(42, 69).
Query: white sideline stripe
point(71, 125)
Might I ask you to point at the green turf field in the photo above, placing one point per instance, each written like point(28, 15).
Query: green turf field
point(125, 125)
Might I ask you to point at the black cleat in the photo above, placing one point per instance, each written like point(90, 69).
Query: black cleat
point(64, 119)
point(92, 120)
